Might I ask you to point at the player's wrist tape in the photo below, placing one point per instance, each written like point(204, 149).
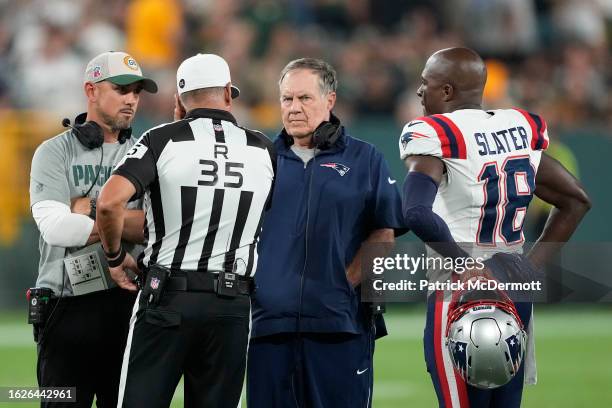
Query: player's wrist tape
point(115, 259)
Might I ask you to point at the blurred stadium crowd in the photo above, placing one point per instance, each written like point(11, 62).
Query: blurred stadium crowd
point(550, 56)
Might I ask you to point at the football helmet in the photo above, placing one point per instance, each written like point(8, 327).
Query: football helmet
point(485, 337)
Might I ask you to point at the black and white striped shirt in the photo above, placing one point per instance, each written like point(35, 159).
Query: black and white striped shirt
point(206, 182)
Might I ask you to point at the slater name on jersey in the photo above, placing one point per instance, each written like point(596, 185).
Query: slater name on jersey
point(502, 141)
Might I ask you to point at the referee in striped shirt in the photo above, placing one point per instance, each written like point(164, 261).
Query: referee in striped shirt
point(206, 182)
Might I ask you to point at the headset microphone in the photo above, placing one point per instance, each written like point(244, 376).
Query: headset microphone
point(90, 134)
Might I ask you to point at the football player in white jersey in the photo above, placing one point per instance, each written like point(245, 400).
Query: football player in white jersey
point(471, 175)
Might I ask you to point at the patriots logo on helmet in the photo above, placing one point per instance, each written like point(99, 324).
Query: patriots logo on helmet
point(408, 136)
point(154, 283)
point(340, 168)
point(514, 345)
point(459, 350)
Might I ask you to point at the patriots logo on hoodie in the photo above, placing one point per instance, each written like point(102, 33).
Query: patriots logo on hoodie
point(340, 168)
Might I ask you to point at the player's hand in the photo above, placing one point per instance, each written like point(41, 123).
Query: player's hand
point(80, 205)
point(474, 273)
point(120, 275)
point(514, 268)
point(179, 108)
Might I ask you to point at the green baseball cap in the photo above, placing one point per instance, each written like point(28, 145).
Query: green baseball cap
point(119, 68)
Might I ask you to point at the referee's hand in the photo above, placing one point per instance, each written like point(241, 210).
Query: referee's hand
point(120, 276)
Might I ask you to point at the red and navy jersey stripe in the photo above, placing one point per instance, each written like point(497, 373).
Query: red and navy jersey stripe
point(451, 138)
point(538, 127)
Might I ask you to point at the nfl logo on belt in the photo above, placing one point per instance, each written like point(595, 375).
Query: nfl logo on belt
point(218, 128)
point(154, 283)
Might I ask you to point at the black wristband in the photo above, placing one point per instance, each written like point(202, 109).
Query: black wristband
point(92, 209)
point(118, 260)
point(112, 255)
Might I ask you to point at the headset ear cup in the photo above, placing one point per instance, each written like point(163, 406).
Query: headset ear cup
point(124, 135)
point(325, 135)
point(89, 134)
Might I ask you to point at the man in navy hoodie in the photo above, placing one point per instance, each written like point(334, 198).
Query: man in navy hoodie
point(312, 339)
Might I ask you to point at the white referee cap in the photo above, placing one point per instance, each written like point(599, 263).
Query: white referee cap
point(119, 68)
point(203, 71)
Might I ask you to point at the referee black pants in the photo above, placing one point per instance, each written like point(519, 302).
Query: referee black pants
point(82, 344)
point(195, 334)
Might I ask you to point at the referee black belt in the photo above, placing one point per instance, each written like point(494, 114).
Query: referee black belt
point(194, 281)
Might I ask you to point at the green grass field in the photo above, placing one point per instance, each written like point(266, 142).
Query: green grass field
point(573, 346)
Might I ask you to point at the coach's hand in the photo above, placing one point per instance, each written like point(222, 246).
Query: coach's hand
point(80, 205)
point(120, 275)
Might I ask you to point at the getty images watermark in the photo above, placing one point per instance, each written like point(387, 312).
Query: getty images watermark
point(410, 271)
point(444, 266)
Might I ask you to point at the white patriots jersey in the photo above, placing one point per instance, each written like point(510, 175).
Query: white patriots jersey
point(491, 160)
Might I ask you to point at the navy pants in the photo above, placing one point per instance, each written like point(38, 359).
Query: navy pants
point(311, 371)
point(451, 390)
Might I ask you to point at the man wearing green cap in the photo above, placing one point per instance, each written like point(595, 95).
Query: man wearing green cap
point(82, 330)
